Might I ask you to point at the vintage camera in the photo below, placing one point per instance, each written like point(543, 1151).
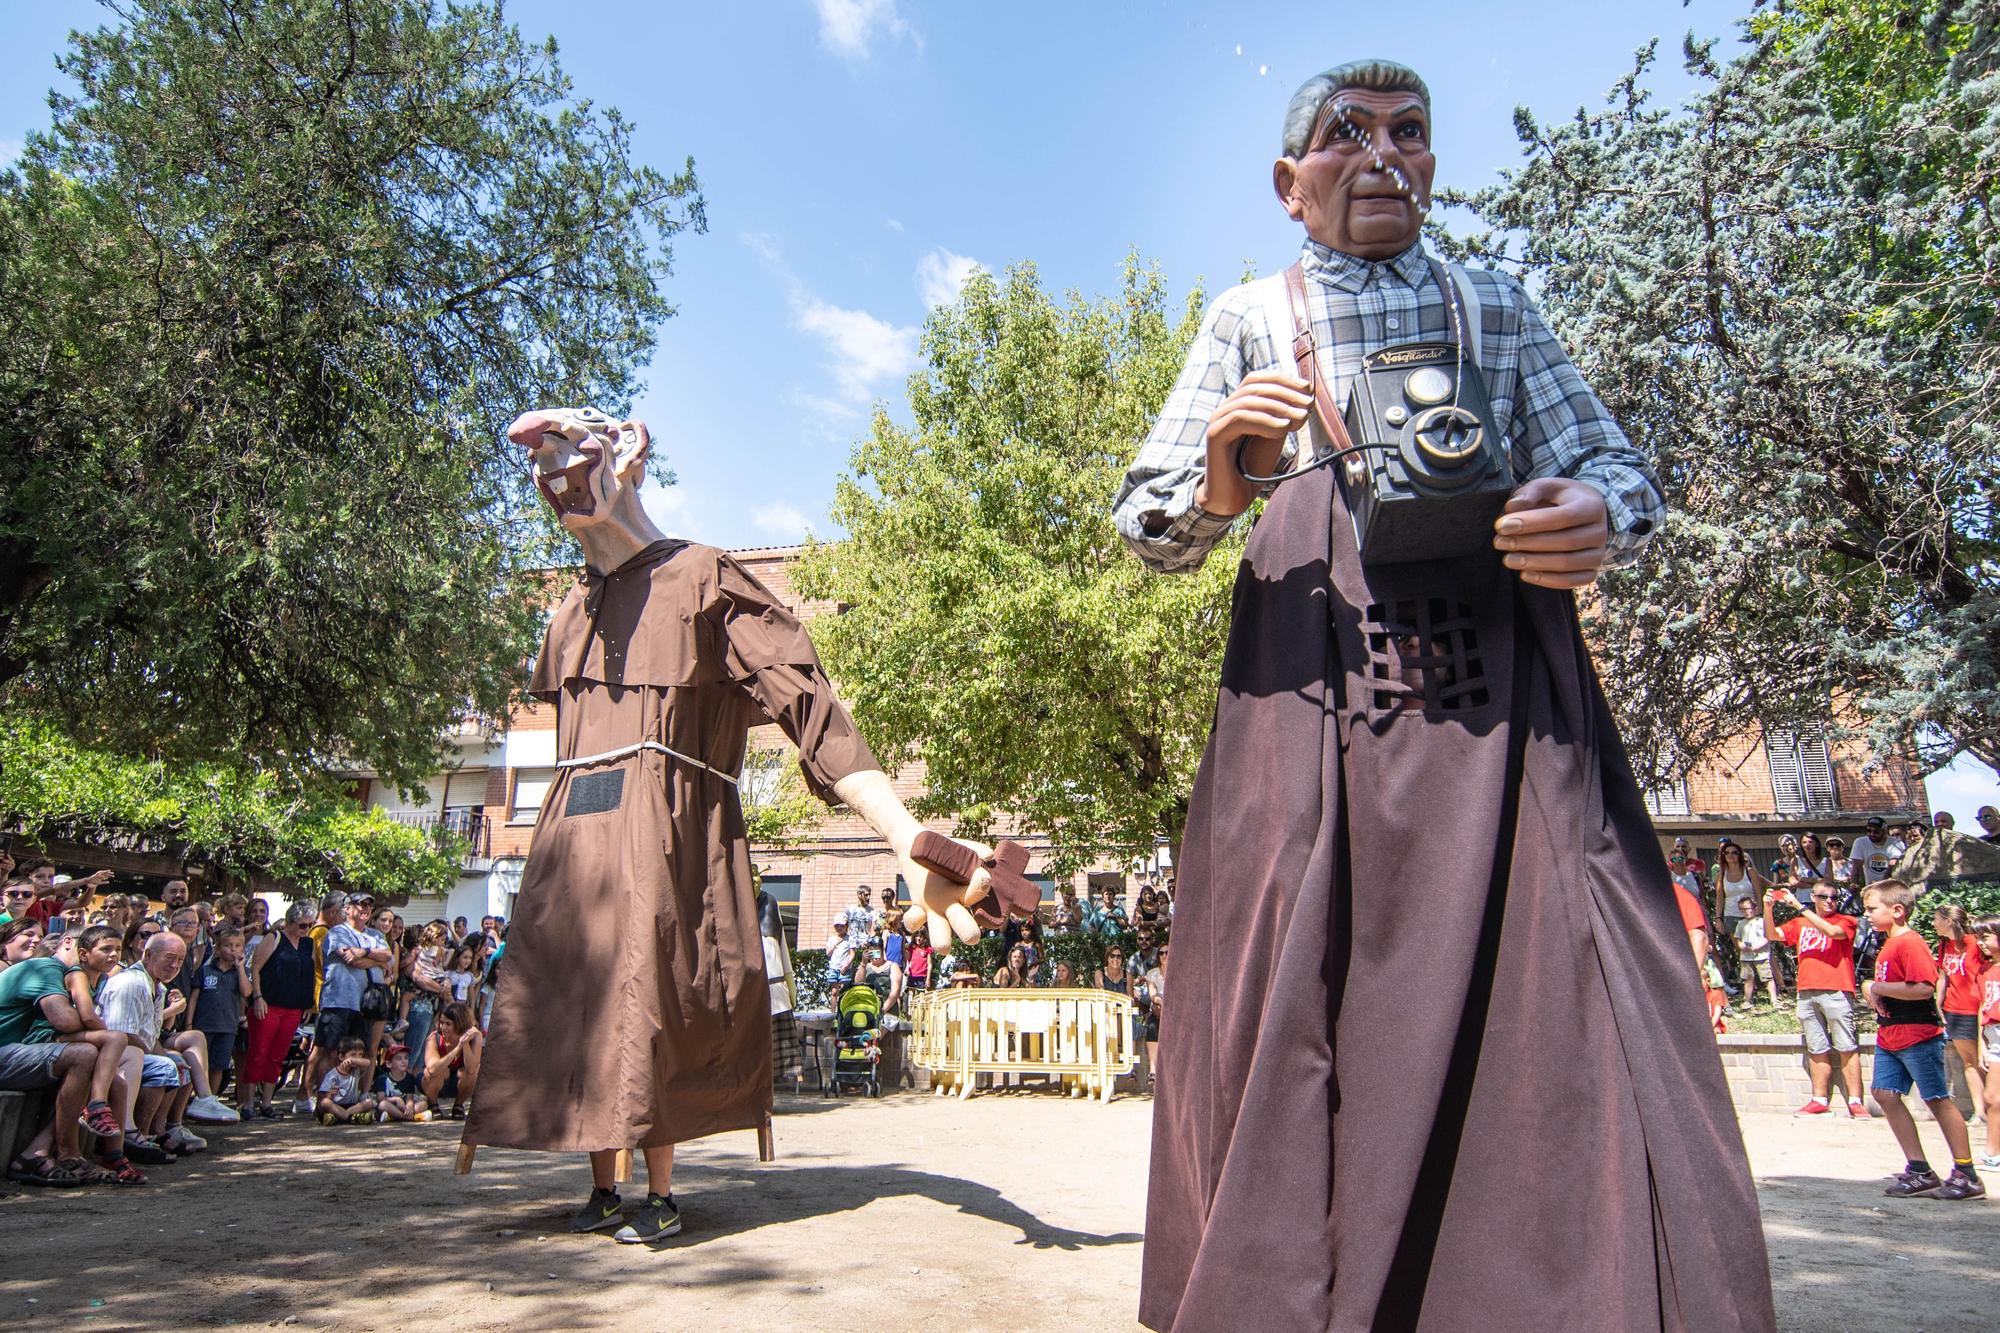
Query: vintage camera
point(1430, 475)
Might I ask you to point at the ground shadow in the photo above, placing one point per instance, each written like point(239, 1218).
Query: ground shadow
point(275, 1219)
point(1844, 1256)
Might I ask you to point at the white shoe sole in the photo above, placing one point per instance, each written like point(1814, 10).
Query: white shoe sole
point(636, 1239)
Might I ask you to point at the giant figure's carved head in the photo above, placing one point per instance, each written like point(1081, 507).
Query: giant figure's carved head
point(1357, 162)
point(584, 461)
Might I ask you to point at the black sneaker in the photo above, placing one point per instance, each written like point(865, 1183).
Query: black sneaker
point(604, 1209)
point(1910, 1184)
point(657, 1220)
point(1961, 1186)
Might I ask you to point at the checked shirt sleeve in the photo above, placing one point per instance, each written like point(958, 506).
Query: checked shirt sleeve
point(1566, 431)
point(1155, 511)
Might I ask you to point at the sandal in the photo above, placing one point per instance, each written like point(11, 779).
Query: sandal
point(120, 1171)
point(86, 1172)
point(41, 1170)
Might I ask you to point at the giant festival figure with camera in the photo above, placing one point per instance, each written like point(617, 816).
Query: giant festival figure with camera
point(1464, 1077)
point(636, 1008)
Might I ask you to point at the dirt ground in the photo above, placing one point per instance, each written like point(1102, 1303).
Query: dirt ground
point(1008, 1211)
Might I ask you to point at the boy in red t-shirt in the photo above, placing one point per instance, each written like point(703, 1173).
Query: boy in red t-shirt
point(1986, 934)
point(1824, 942)
point(1909, 1048)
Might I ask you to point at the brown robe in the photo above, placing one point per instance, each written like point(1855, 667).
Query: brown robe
point(633, 1008)
point(1438, 1058)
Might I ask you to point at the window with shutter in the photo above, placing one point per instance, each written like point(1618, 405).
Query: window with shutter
point(1816, 769)
point(1788, 784)
point(1671, 799)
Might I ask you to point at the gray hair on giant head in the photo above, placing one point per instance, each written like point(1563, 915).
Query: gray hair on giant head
point(162, 942)
point(301, 914)
point(1382, 76)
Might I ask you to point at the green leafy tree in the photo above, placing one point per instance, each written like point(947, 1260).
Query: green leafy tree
point(309, 839)
point(996, 627)
point(282, 272)
point(778, 810)
point(1786, 289)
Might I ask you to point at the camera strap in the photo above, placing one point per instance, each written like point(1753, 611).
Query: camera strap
point(1305, 357)
point(1454, 285)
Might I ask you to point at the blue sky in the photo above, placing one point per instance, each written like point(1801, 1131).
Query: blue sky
point(858, 156)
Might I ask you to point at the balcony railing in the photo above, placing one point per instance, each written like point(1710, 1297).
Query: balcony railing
point(465, 828)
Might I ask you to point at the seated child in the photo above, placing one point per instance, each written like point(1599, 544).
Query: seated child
point(398, 1093)
point(1718, 998)
point(341, 1096)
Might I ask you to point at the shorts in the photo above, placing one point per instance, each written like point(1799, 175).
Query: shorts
point(26, 1066)
point(1827, 1019)
point(162, 1071)
point(1993, 1043)
point(1921, 1065)
point(1961, 1027)
point(336, 1026)
point(1750, 970)
point(221, 1053)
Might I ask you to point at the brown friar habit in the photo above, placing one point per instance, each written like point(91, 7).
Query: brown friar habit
point(633, 1010)
point(1438, 1058)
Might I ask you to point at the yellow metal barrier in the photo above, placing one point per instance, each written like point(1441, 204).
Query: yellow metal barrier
point(1082, 1037)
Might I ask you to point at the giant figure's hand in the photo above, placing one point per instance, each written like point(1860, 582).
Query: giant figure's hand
point(941, 905)
point(1266, 407)
point(1554, 531)
point(936, 900)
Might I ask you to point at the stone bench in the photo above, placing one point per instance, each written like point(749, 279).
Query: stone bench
point(1767, 1072)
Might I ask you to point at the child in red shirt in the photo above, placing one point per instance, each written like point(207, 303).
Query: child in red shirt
point(1824, 942)
point(1909, 1048)
point(1960, 962)
point(1986, 934)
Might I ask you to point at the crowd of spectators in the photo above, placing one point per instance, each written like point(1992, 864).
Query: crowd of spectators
point(1093, 944)
point(143, 1016)
point(1831, 925)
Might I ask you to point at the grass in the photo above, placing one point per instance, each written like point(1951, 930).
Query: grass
point(1783, 1020)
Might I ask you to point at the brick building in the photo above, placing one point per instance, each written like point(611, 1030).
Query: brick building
point(1759, 788)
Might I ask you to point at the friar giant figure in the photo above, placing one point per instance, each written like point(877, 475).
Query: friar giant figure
point(1451, 1068)
point(636, 1011)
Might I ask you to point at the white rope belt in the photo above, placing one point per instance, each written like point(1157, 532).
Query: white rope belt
point(637, 746)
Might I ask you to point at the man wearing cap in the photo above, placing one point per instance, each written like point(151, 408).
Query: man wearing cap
point(1466, 1079)
point(841, 951)
point(355, 956)
point(1878, 850)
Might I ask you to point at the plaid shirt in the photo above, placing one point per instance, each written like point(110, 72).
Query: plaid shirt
point(1554, 424)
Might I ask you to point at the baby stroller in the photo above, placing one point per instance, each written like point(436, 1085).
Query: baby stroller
point(857, 1046)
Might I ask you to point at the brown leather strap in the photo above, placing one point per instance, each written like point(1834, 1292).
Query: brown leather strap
point(1306, 357)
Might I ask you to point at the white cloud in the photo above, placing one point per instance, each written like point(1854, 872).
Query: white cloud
point(780, 520)
point(942, 275)
point(865, 354)
point(866, 351)
point(893, 224)
point(849, 27)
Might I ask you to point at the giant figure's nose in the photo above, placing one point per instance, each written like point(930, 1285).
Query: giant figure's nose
point(529, 427)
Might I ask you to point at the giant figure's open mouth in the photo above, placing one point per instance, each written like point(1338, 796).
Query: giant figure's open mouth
point(563, 470)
